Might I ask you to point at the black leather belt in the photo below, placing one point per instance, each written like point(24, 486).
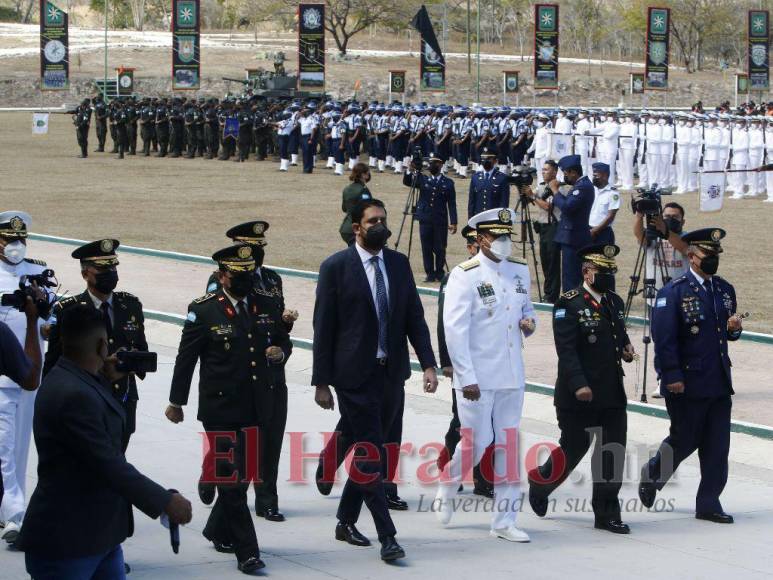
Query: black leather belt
point(382, 361)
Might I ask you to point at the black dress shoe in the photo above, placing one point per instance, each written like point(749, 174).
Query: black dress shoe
point(614, 526)
point(272, 514)
point(126, 568)
point(395, 502)
point(251, 564)
point(429, 279)
point(538, 504)
point(350, 534)
point(206, 492)
point(324, 487)
point(484, 491)
point(391, 550)
point(223, 547)
point(647, 489)
point(716, 517)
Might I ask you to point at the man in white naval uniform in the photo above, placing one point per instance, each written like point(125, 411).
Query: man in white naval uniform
point(683, 140)
point(642, 131)
point(740, 160)
point(695, 123)
point(540, 146)
point(769, 153)
point(583, 142)
point(16, 404)
point(606, 147)
point(712, 145)
point(627, 152)
point(487, 310)
point(755, 182)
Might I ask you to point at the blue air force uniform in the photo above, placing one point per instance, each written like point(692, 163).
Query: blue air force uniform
point(573, 229)
point(488, 190)
point(435, 210)
point(689, 328)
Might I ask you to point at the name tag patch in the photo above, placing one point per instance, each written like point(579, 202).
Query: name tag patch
point(661, 302)
point(560, 313)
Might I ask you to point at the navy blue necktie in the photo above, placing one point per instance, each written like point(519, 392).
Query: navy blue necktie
point(381, 305)
point(710, 291)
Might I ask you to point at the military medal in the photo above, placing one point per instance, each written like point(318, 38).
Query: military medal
point(592, 338)
point(694, 329)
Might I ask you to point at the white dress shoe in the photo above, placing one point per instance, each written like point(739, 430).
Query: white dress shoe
point(10, 532)
point(511, 534)
point(444, 507)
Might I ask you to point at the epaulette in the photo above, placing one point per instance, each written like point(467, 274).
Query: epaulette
point(36, 262)
point(127, 296)
point(66, 302)
point(205, 298)
point(516, 260)
point(680, 280)
point(470, 264)
point(569, 294)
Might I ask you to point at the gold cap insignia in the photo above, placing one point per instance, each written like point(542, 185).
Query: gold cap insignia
point(16, 223)
point(258, 228)
point(244, 252)
point(106, 245)
point(716, 235)
point(504, 216)
point(609, 251)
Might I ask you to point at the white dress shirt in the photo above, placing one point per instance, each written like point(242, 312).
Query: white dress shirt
point(370, 272)
point(98, 305)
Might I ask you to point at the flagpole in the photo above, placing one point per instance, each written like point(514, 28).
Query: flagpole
point(469, 41)
point(104, 84)
point(477, 40)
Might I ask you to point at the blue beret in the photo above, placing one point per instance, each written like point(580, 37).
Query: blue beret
point(569, 161)
point(601, 167)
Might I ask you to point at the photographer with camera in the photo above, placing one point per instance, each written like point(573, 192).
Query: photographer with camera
point(20, 279)
point(435, 211)
point(668, 227)
point(122, 314)
point(546, 225)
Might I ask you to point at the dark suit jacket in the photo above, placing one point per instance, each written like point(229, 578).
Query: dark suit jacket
point(346, 325)
point(573, 229)
point(82, 503)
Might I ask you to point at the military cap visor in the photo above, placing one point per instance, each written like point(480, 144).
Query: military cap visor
point(707, 239)
point(469, 234)
point(253, 232)
point(495, 221)
point(100, 253)
point(14, 224)
point(487, 153)
point(600, 255)
point(236, 258)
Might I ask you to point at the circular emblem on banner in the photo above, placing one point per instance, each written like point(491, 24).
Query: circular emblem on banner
point(546, 51)
point(125, 81)
point(245, 252)
point(430, 55)
point(54, 51)
point(16, 223)
point(658, 53)
point(758, 54)
point(512, 83)
point(312, 18)
point(106, 245)
point(397, 81)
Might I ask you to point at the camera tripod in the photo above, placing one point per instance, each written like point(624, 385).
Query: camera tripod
point(527, 235)
point(648, 290)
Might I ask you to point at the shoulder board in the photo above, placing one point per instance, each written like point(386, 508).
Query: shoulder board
point(36, 262)
point(516, 260)
point(569, 294)
point(679, 280)
point(66, 302)
point(127, 296)
point(470, 264)
point(205, 298)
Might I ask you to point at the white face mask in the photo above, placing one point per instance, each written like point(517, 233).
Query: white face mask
point(15, 252)
point(651, 121)
point(681, 123)
point(502, 247)
point(538, 124)
point(602, 118)
point(661, 121)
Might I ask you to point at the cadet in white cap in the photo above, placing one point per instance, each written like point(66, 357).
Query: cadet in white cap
point(16, 404)
point(487, 312)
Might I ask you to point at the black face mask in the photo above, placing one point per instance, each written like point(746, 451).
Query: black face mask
point(376, 237)
point(434, 169)
point(241, 284)
point(488, 165)
point(710, 264)
point(603, 281)
point(258, 253)
point(674, 225)
point(106, 281)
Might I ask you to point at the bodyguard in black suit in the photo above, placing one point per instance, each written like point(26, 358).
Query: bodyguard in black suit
point(366, 307)
point(591, 341)
point(122, 315)
point(81, 509)
point(241, 349)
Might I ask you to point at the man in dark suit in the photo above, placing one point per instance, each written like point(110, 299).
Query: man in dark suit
point(436, 214)
point(693, 320)
point(81, 509)
point(366, 307)
point(489, 188)
point(591, 341)
point(121, 312)
point(573, 229)
point(242, 347)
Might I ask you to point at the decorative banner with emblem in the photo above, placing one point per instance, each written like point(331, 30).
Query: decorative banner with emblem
point(637, 83)
point(311, 47)
point(758, 59)
point(186, 64)
point(546, 46)
point(656, 58)
point(125, 78)
point(510, 81)
point(432, 63)
point(396, 81)
point(54, 48)
point(712, 191)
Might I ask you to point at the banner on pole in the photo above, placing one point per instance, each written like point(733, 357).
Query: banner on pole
point(657, 46)
point(54, 48)
point(741, 83)
point(546, 46)
point(510, 81)
point(432, 63)
point(758, 58)
point(186, 63)
point(397, 81)
point(311, 47)
point(125, 78)
point(39, 123)
point(712, 191)
point(637, 83)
